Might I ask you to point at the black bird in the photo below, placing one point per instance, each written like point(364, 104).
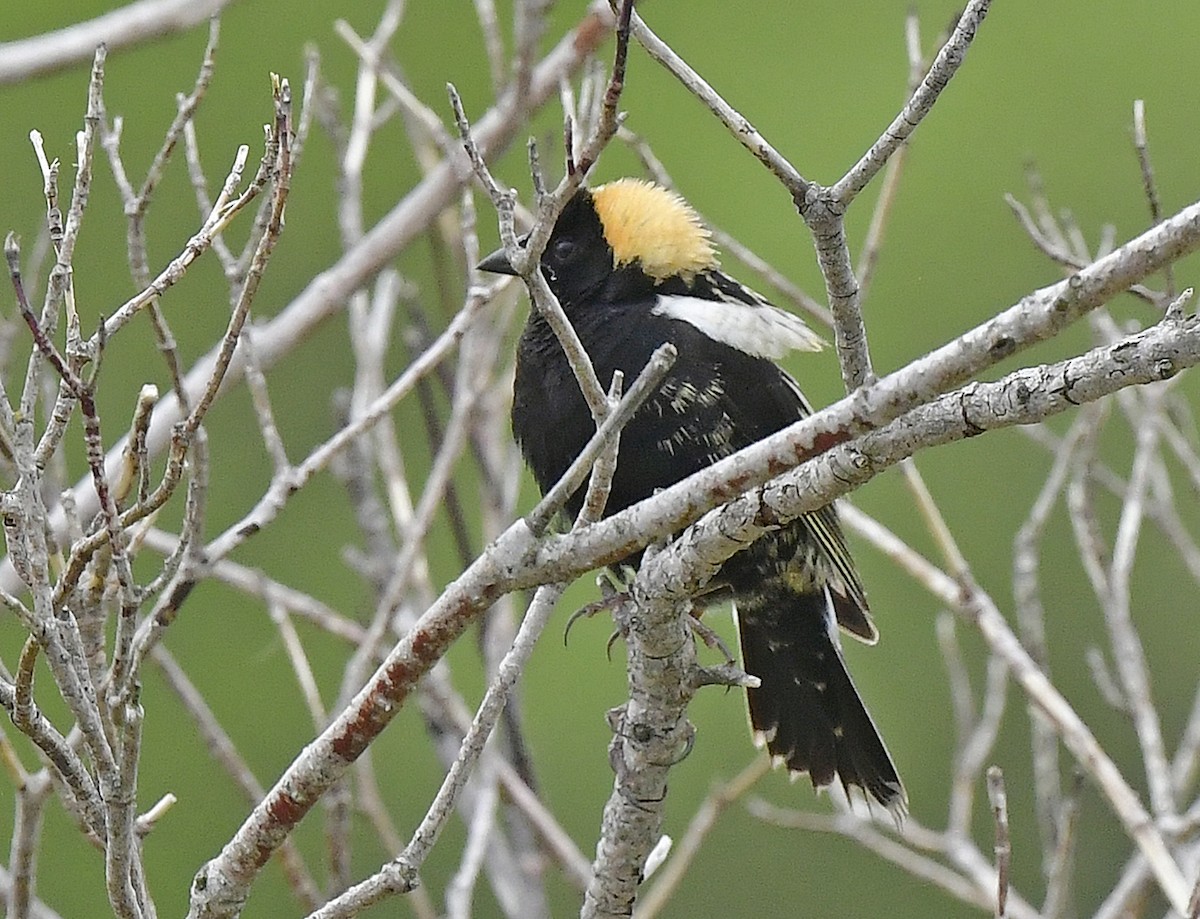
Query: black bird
point(633, 267)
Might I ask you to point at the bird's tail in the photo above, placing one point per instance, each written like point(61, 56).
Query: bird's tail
point(807, 711)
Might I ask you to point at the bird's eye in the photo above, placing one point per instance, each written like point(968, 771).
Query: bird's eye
point(563, 249)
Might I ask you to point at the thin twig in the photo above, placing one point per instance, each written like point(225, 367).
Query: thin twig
point(1149, 187)
point(683, 854)
point(644, 386)
point(941, 71)
point(1003, 850)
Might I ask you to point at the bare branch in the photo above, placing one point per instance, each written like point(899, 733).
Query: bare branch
point(737, 124)
point(141, 21)
point(327, 293)
point(93, 603)
point(1142, 147)
point(944, 66)
point(998, 797)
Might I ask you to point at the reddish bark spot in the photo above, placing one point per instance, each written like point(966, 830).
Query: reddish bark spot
point(825, 441)
point(285, 812)
point(394, 685)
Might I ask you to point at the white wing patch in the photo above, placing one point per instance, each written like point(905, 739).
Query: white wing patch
point(761, 331)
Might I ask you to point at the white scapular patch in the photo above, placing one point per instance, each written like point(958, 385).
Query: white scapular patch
point(762, 330)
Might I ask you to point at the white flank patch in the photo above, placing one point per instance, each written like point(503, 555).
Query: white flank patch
point(763, 331)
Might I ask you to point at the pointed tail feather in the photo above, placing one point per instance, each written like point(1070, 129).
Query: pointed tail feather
point(807, 710)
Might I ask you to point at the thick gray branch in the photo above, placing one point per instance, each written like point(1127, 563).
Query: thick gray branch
point(1037, 317)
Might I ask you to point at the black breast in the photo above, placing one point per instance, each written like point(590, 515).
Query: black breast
point(714, 401)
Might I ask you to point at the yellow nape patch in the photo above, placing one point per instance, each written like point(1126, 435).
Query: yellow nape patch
point(647, 223)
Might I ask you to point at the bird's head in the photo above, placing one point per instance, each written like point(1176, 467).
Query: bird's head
point(628, 234)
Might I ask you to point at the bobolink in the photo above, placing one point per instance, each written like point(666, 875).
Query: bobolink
point(633, 267)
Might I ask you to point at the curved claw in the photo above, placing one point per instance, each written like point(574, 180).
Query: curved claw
point(585, 612)
point(609, 602)
point(612, 640)
point(689, 744)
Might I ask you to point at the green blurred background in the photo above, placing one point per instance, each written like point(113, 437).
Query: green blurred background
point(1054, 83)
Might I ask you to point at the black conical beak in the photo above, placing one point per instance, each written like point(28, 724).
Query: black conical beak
point(496, 263)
